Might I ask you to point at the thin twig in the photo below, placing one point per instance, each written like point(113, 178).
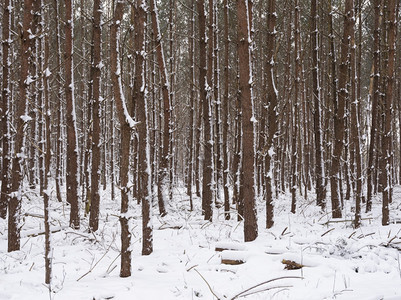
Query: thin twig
point(264, 282)
point(208, 285)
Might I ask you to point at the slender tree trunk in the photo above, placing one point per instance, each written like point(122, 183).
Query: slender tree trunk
point(295, 115)
point(164, 163)
point(126, 123)
point(375, 100)
point(388, 105)
point(144, 189)
point(207, 194)
point(72, 175)
point(47, 172)
point(339, 111)
point(58, 172)
point(245, 89)
point(226, 114)
point(272, 102)
point(217, 104)
point(355, 129)
point(4, 114)
point(21, 119)
point(320, 188)
point(191, 41)
point(96, 72)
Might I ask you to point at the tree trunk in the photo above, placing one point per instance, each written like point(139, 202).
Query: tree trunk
point(388, 99)
point(4, 115)
point(204, 100)
point(320, 193)
point(126, 123)
point(96, 73)
point(226, 114)
point(245, 90)
point(272, 111)
point(164, 163)
point(21, 119)
point(375, 99)
point(144, 189)
point(191, 41)
point(72, 175)
point(355, 130)
point(47, 172)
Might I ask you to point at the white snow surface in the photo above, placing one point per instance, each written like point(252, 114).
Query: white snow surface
point(340, 262)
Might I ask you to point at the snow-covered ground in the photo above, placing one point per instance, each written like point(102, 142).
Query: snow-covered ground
point(339, 262)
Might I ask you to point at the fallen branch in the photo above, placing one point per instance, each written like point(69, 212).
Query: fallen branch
point(327, 232)
point(262, 283)
point(207, 283)
point(42, 232)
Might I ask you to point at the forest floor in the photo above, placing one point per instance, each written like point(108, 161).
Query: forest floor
point(338, 261)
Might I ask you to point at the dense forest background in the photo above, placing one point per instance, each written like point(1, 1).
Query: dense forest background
point(235, 100)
